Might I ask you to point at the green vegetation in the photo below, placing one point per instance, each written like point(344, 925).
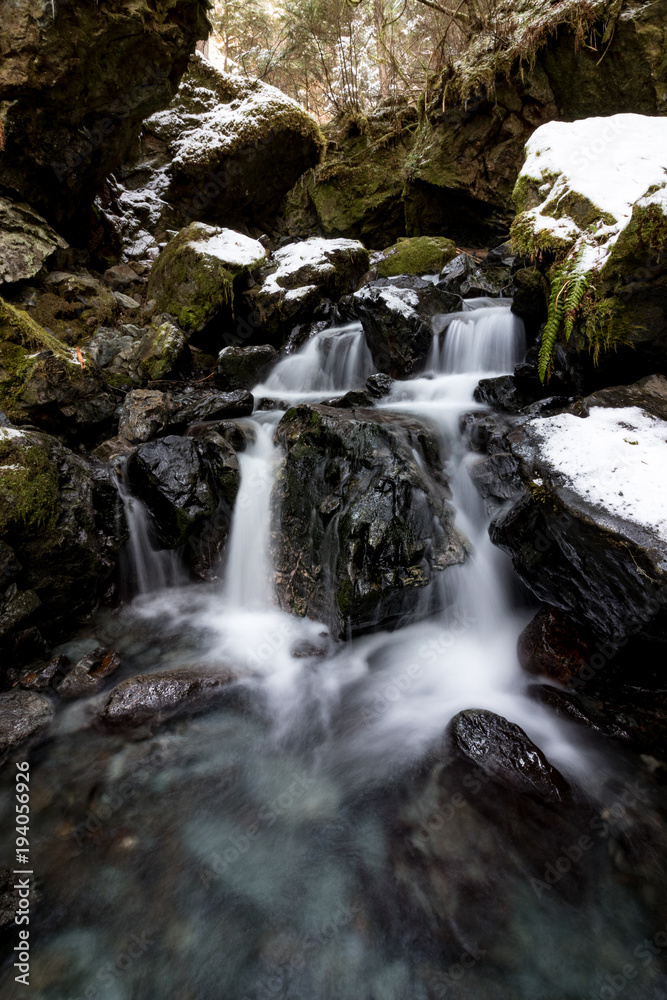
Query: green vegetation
point(568, 287)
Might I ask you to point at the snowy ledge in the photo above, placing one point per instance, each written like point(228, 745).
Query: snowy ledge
point(614, 460)
point(301, 264)
point(583, 183)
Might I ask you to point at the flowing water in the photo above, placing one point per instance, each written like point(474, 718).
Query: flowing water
point(245, 854)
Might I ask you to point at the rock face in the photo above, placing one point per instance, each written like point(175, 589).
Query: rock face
point(361, 527)
point(183, 483)
point(26, 241)
point(76, 80)
point(51, 514)
point(356, 192)
point(299, 277)
point(586, 531)
point(397, 315)
point(194, 277)
point(226, 150)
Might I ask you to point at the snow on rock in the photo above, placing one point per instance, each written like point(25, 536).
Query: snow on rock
point(583, 182)
point(615, 459)
point(403, 301)
point(313, 261)
point(233, 250)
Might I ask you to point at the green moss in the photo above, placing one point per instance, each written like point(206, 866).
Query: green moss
point(418, 255)
point(29, 494)
point(29, 333)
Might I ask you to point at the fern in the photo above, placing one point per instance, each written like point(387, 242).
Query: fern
point(567, 292)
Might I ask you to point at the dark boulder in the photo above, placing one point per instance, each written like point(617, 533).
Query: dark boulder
point(243, 367)
point(183, 482)
point(153, 698)
point(361, 525)
point(77, 79)
point(397, 315)
point(194, 407)
point(23, 714)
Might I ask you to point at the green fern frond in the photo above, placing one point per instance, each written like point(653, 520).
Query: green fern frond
point(568, 288)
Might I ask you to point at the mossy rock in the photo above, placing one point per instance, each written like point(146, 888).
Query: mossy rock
point(165, 352)
point(418, 255)
point(195, 284)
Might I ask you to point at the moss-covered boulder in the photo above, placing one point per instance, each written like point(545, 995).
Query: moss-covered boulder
point(194, 277)
point(226, 151)
point(357, 191)
point(592, 199)
point(76, 80)
point(299, 277)
point(51, 516)
point(164, 352)
point(419, 255)
point(362, 522)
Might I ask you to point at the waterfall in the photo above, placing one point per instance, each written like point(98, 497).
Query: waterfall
point(486, 337)
point(332, 362)
point(145, 569)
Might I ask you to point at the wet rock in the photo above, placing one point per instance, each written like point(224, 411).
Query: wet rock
point(41, 677)
point(51, 518)
point(209, 405)
point(587, 544)
point(555, 646)
point(144, 414)
point(243, 367)
point(88, 675)
point(379, 385)
point(107, 343)
point(234, 433)
point(113, 451)
point(297, 279)
point(530, 299)
point(197, 274)
point(361, 527)
point(468, 278)
point(152, 698)
point(397, 316)
point(503, 753)
point(16, 608)
point(23, 714)
point(183, 482)
point(80, 128)
point(26, 241)
point(124, 278)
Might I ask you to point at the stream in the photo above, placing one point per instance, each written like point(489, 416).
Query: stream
point(250, 852)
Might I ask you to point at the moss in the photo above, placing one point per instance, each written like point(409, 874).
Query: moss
point(419, 255)
point(27, 332)
point(29, 494)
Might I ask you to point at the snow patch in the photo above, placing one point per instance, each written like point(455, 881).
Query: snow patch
point(231, 249)
point(315, 253)
point(614, 163)
point(403, 301)
point(615, 459)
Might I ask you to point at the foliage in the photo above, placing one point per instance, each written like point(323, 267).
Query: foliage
point(568, 287)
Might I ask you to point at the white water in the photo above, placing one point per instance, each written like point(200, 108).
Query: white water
point(332, 362)
point(149, 568)
point(388, 695)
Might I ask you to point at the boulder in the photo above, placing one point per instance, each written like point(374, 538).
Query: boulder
point(592, 194)
point(23, 714)
point(471, 279)
point(87, 677)
point(143, 415)
point(226, 150)
point(51, 514)
point(195, 277)
point(356, 192)
point(361, 525)
point(587, 530)
point(164, 353)
point(26, 241)
point(297, 278)
point(419, 255)
point(183, 482)
point(243, 367)
point(153, 698)
point(397, 315)
point(76, 80)
point(195, 407)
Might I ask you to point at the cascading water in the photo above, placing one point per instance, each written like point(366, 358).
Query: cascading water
point(145, 569)
point(246, 852)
